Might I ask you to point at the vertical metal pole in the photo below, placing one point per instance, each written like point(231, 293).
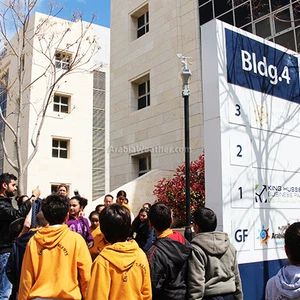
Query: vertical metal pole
point(188, 229)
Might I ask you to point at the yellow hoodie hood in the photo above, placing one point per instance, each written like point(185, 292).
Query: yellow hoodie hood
point(49, 237)
point(122, 255)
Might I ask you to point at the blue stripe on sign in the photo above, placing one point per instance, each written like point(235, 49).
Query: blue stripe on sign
point(254, 277)
point(260, 67)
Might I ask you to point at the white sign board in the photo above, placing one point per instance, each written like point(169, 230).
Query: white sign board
point(251, 98)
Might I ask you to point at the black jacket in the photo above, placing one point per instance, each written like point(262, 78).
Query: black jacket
point(168, 269)
point(7, 215)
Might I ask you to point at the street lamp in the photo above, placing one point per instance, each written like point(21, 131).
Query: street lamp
point(185, 76)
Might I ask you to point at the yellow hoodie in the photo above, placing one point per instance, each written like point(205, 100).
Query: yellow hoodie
point(99, 242)
point(121, 271)
point(56, 264)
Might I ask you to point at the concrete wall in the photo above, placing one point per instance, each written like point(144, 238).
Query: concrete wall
point(160, 126)
point(139, 191)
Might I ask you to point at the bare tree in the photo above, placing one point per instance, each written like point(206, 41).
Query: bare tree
point(63, 53)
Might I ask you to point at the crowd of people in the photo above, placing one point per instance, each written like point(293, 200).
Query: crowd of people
point(62, 255)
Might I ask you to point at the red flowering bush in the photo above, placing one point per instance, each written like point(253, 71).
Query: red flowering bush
point(172, 191)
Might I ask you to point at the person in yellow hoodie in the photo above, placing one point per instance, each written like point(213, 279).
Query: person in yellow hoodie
point(121, 270)
point(99, 240)
point(56, 262)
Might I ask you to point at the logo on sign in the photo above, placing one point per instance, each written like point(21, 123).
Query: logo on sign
point(263, 235)
point(261, 193)
point(261, 115)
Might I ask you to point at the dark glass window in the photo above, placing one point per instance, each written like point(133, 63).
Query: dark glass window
point(276, 4)
point(228, 18)
point(222, 7)
point(282, 20)
point(296, 12)
point(62, 61)
point(61, 104)
point(263, 28)
point(242, 15)
point(205, 13)
point(144, 94)
point(59, 148)
point(144, 164)
point(287, 40)
point(202, 2)
point(260, 8)
point(248, 28)
point(143, 24)
point(298, 38)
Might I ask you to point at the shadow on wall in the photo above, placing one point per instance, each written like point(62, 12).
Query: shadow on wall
point(139, 190)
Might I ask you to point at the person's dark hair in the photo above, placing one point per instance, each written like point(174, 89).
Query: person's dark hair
point(121, 193)
point(205, 218)
point(81, 200)
point(15, 228)
point(148, 204)
point(94, 213)
point(109, 195)
point(40, 220)
point(292, 242)
point(55, 208)
point(136, 222)
point(160, 216)
point(7, 178)
point(98, 206)
point(115, 223)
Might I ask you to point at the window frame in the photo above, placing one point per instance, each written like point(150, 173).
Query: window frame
point(144, 26)
point(60, 105)
point(145, 95)
point(146, 156)
point(136, 95)
point(62, 60)
point(60, 149)
point(140, 14)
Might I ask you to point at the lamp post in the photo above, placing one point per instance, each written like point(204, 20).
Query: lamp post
point(185, 76)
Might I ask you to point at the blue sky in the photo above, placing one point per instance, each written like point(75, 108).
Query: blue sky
point(88, 7)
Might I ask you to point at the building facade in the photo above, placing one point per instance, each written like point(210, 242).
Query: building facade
point(76, 128)
point(147, 121)
point(147, 118)
point(147, 115)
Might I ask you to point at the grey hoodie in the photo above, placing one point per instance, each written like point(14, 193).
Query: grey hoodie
point(213, 268)
point(284, 285)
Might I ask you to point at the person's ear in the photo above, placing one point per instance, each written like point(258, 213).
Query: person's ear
point(4, 186)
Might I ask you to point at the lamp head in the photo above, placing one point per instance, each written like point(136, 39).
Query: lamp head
point(185, 76)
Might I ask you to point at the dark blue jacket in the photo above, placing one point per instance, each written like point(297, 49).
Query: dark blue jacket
point(14, 264)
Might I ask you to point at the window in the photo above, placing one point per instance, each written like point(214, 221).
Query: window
point(62, 60)
point(274, 20)
point(144, 164)
point(60, 148)
point(140, 92)
point(61, 104)
point(140, 22)
point(143, 24)
point(144, 94)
